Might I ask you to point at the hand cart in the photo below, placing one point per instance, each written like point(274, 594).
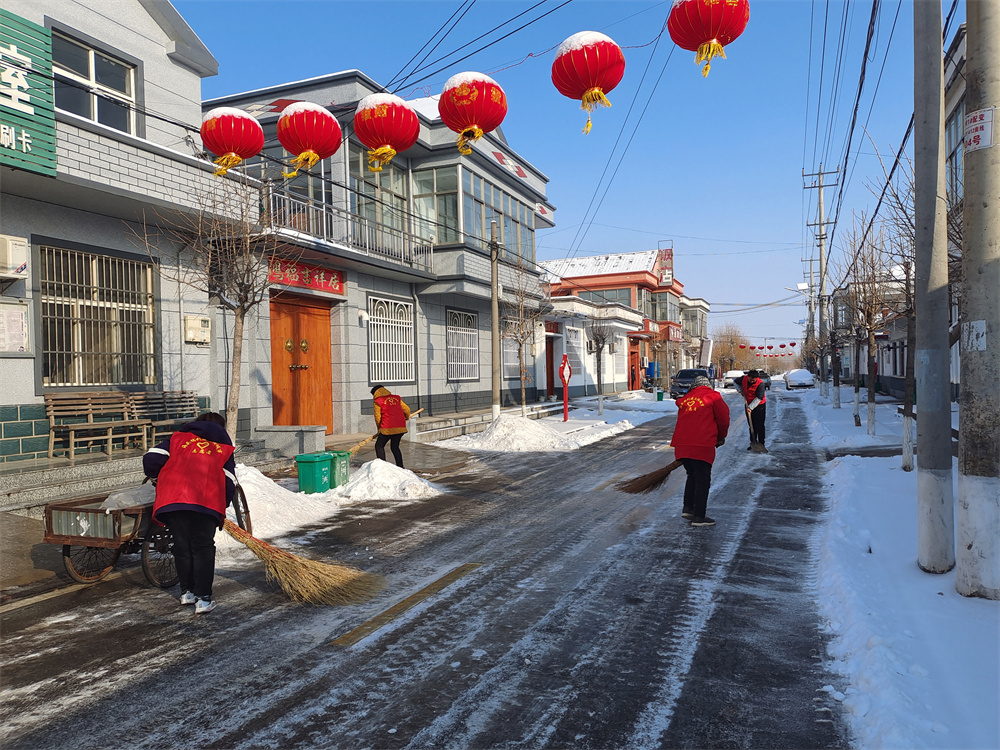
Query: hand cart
point(94, 537)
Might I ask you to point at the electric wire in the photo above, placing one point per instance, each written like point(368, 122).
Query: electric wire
point(392, 81)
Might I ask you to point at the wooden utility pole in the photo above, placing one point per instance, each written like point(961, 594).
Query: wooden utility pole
point(935, 497)
point(978, 568)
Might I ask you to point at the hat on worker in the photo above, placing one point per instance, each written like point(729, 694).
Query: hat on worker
point(376, 387)
point(701, 380)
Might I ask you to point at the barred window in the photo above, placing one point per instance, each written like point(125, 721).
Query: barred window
point(462, 333)
point(509, 352)
point(97, 319)
point(574, 349)
point(390, 341)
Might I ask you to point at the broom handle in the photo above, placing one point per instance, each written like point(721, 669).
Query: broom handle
point(365, 442)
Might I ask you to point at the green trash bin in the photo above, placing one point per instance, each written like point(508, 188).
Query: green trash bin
point(340, 468)
point(659, 395)
point(314, 472)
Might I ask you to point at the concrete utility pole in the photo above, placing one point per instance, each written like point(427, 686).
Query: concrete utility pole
point(978, 569)
point(821, 239)
point(495, 315)
point(935, 497)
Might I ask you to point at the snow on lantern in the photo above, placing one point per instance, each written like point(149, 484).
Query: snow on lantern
point(386, 125)
point(310, 132)
point(706, 26)
point(588, 65)
point(232, 135)
point(471, 104)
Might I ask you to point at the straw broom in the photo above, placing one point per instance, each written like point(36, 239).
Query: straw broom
point(365, 442)
point(648, 482)
point(305, 580)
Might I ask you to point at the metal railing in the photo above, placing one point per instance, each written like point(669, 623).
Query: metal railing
point(334, 224)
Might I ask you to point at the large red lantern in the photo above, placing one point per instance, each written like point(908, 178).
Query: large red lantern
point(232, 135)
point(386, 125)
point(310, 132)
point(706, 26)
point(472, 104)
point(587, 66)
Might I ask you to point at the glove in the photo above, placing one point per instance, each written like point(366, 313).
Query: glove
point(722, 442)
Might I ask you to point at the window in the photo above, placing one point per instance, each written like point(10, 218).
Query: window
point(666, 306)
point(621, 354)
point(954, 145)
point(435, 202)
point(92, 84)
point(390, 341)
point(462, 334)
point(509, 352)
point(484, 203)
point(97, 319)
point(609, 296)
point(574, 349)
point(378, 196)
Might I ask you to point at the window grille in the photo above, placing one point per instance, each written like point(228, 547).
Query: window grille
point(97, 319)
point(509, 352)
point(462, 333)
point(390, 340)
point(574, 349)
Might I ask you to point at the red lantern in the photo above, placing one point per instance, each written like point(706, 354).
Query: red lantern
point(310, 132)
point(743, 346)
point(706, 26)
point(792, 344)
point(232, 135)
point(769, 346)
point(386, 125)
point(588, 65)
point(472, 104)
point(781, 346)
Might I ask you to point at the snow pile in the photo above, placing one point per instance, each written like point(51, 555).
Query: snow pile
point(380, 480)
point(516, 434)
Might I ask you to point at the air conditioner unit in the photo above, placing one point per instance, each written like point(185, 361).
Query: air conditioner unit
point(645, 361)
point(13, 257)
point(591, 346)
point(612, 347)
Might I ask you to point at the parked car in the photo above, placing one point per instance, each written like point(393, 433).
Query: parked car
point(730, 376)
point(767, 380)
point(798, 379)
point(681, 382)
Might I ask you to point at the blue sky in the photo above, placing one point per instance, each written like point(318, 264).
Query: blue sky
point(713, 165)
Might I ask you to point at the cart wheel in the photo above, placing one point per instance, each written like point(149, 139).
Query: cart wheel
point(242, 510)
point(158, 560)
point(89, 564)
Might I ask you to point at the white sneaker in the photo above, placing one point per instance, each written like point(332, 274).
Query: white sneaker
point(204, 605)
point(188, 598)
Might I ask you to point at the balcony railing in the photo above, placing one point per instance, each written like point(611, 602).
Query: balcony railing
point(333, 224)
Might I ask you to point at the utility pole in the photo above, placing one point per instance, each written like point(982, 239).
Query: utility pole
point(821, 238)
point(935, 497)
point(495, 315)
point(978, 564)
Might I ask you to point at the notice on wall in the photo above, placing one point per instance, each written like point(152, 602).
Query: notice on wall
point(13, 327)
point(979, 129)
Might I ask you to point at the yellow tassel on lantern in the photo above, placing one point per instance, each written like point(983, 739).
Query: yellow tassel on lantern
point(706, 52)
point(305, 160)
point(469, 135)
point(225, 163)
point(592, 99)
point(379, 157)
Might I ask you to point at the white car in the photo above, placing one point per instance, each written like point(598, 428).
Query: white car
point(798, 379)
point(728, 380)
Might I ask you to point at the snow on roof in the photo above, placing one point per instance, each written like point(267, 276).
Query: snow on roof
point(427, 106)
point(580, 40)
point(602, 264)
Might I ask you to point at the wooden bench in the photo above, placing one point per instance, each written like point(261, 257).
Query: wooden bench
point(87, 417)
point(166, 410)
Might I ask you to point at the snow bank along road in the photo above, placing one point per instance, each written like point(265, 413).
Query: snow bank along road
point(597, 619)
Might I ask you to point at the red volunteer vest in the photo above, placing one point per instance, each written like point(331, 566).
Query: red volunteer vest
point(392, 412)
point(750, 392)
point(193, 475)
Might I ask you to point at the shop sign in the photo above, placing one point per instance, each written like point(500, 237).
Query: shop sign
point(27, 114)
point(666, 266)
point(291, 273)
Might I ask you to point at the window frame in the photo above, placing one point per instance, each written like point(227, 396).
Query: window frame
point(443, 232)
point(454, 348)
point(407, 373)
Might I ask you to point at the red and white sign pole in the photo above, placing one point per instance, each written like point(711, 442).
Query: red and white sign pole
point(565, 373)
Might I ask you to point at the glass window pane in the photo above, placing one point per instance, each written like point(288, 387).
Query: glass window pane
point(112, 74)
point(423, 182)
point(447, 179)
point(70, 55)
point(113, 114)
point(467, 182)
point(73, 98)
point(477, 186)
point(469, 209)
point(448, 215)
point(398, 180)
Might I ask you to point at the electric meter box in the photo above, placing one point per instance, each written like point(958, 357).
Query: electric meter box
point(13, 257)
point(197, 329)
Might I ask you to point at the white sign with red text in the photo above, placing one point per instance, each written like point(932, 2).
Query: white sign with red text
point(979, 129)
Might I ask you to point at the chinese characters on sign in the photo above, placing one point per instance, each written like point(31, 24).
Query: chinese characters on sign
point(293, 274)
point(666, 266)
point(979, 129)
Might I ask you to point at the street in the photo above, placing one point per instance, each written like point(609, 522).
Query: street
point(583, 617)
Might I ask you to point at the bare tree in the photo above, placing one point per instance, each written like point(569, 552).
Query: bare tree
point(222, 248)
point(523, 305)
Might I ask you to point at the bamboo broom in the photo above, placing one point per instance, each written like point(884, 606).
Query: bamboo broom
point(305, 580)
point(648, 482)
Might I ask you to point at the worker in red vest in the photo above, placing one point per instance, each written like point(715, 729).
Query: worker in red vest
point(391, 415)
point(702, 426)
point(195, 476)
point(752, 388)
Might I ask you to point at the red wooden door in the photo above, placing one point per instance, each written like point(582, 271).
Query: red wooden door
point(302, 383)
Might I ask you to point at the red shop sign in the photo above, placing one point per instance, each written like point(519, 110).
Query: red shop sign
point(305, 276)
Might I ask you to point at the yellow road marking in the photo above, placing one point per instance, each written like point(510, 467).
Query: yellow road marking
point(366, 629)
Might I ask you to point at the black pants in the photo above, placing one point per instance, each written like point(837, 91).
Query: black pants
point(194, 549)
point(757, 423)
point(699, 481)
point(393, 441)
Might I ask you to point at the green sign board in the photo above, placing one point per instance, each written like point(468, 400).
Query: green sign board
point(27, 116)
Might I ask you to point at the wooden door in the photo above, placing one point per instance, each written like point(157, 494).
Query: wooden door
point(550, 366)
point(302, 382)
